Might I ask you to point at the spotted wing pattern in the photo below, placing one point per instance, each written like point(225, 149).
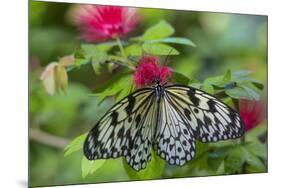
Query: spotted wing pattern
point(125, 130)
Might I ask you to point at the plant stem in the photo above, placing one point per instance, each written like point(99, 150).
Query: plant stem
point(124, 59)
point(121, 47)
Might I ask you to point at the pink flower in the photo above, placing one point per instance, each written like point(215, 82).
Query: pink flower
point(98, 23)
point(148, 72)
point(252, 112)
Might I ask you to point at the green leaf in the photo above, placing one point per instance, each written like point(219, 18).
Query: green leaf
point(123, 82)
point(235, 160)
point(133, 50)
point(180, 78)
point(242, 92)
point(89, 167)
point(161, 30)
point(242, 73)
point(216, 81)
point(79, 62)
point(208, 88)
point(176, 40)
point(254, 164)
point(106, 46)
point(98, 58)
point(154, 169)
point(227, 76)
point(75, 145)
point(159, 49)
point(126, 90)
point(257, 149)
point(258, 84)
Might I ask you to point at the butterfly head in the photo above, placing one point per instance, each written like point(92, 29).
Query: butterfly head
point(150, 73)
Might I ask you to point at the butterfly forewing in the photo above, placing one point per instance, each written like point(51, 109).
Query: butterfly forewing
point(125, 130)
point(209, 118)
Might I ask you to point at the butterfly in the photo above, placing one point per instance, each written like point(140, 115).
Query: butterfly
point(164, 118)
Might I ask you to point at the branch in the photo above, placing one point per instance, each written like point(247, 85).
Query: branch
point(47, 139)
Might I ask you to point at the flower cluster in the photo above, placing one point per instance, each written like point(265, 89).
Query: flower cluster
point(99, 23)
point(148, 72)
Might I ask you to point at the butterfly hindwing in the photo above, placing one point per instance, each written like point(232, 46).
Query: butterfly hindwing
point(174, 139)
point(122, 131)
point(209, 118)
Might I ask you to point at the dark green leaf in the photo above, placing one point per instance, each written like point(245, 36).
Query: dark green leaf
point(75, 145)
point(159, 49)
point(161, 30)
point(154, 169)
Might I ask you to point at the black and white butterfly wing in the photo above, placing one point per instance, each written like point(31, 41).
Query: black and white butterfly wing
point(210, 119)
point(125, 130)
point(175, 141)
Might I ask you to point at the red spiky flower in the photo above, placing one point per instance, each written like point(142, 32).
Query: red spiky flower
point(148, 72)
point(99, 23)
point(252, 112)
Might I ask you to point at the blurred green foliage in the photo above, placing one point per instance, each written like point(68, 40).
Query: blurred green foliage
point(226, 45)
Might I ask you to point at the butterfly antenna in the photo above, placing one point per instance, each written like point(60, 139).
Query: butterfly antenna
point(166, 59)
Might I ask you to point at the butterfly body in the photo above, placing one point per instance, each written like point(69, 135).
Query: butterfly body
point(165, 118)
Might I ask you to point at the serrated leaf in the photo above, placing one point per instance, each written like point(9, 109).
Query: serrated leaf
point(159, 49)
point(154, 169)
point(133, 50)
point(176, 40)
point(161, 30)
point(75, 145)
point(89, 167)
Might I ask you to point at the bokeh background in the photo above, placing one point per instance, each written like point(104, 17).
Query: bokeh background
point(224, 41)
